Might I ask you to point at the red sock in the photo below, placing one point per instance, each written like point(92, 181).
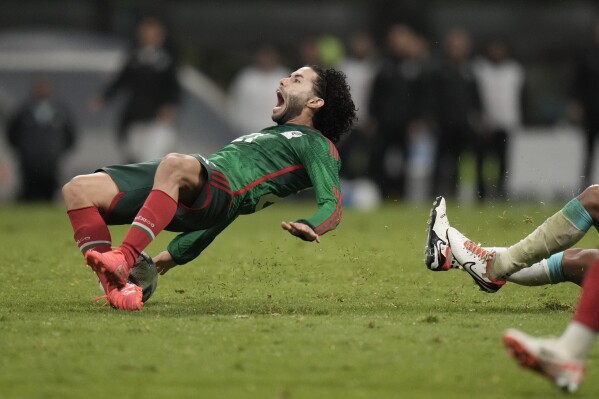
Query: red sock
point(90, 229)
point(91, 232)
point(156, 213)
point(587, 311)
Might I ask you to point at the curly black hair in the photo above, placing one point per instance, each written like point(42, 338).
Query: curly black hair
point(338, 114)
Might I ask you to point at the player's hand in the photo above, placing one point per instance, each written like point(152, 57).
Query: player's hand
point(164, 262)
point(301, 230)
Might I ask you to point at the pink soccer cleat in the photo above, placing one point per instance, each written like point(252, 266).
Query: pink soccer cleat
point(127, 298)
point(111, 264)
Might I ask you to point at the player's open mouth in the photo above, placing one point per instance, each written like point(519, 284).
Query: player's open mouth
point(280, 102)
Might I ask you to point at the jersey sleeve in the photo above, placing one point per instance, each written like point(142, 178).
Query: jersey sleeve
point(187, 246)
point(322, 165)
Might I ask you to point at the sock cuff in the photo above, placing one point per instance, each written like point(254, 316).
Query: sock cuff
point(163, 194)
point(554, 266)
point(81, 209)
point(575, 213)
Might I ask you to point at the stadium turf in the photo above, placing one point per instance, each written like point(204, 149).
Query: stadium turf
point(264, 315)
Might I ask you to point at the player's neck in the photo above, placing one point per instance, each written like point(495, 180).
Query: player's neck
point(301, 120)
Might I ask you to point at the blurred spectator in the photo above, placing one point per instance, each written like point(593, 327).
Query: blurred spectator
point(396, 107)
point(501, 83)
point(587, 93)
point(146, 126)
point(40, 132)
point(456, 110)
point(360, 67)
point(4, 173)
point(331, 50)
point(252, 97)
point(308, 53)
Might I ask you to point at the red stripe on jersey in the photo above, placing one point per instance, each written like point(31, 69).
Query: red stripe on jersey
point(333, 220)
point(220, 181)
point(267, 177)
point(204, 204)
point(219, 176)
point(333, 151)
point(220, 186)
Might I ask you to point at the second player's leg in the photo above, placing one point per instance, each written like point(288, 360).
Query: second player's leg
point(568, 266)
point(589, 199)
point(576, 263)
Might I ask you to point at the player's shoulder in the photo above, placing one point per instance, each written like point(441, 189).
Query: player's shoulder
point(318, 142)
point(290, 131)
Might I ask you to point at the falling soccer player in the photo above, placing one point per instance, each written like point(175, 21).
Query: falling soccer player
point(200, 196)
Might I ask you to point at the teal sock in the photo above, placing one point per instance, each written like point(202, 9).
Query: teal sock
point(575, 212)
point(556, 271)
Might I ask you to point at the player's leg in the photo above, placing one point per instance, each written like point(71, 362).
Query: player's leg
point(560, 231)
point(86, 198)
point(562, 360)
point(178, 178)
point(568, 266)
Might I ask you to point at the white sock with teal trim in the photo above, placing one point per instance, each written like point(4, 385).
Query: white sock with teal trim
point(560, 231)
point(537, 274)
point(547, 271)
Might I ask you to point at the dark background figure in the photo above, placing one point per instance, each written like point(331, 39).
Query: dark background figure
point(40, 132)
point(359, 66)
point(396, 103)
point(586, 92)
point(149, 78)
point(500, 80)
point(455, 109)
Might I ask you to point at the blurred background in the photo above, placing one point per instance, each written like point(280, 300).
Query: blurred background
point(478, 101)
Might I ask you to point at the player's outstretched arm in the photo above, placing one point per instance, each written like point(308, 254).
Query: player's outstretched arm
point(301, 230)
point(164, 262)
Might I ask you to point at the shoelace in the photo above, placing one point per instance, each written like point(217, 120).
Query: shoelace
point(476, 250)
point(96, 299)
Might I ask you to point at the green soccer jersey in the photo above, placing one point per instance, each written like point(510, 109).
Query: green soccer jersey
point(264, 167)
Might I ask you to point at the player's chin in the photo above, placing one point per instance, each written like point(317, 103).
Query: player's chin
point(277, 115)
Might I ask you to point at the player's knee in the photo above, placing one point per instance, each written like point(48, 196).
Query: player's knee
point(74, 190)
point(180, 167)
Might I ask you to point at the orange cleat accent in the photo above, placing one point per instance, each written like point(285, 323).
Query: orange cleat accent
point(127, 298)
point(110, 264)
point(474, 259)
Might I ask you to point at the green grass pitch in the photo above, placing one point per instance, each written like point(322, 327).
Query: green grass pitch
point(264, 315)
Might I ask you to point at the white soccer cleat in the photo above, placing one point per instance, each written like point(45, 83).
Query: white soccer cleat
point(544, 357)
point(474, 259)
point(437, 253)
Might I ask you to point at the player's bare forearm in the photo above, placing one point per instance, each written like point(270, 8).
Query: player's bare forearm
point(164, 262)
point(301, 230)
